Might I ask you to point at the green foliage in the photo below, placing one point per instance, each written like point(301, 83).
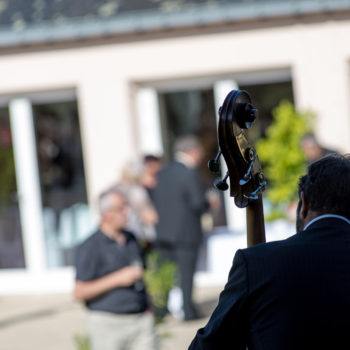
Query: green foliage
point(283, 159)
point(82, 342)
point(159, 278)
point(7, 175)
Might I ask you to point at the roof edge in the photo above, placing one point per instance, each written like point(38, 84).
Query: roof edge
point(150, 21)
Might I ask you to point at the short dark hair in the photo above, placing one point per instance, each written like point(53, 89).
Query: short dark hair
point(151, 158)
point(326, 186)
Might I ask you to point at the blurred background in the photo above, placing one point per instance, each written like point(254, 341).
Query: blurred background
point(88, 85)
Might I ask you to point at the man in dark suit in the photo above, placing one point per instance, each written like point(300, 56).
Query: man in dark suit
point(180, 201)
point(295, 293)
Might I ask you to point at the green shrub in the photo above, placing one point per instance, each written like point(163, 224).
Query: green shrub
point(282, 157)
point(7, 176)
point(82, 342)
point(159, 278)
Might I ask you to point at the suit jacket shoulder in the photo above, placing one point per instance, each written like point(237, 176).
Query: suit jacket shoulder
point(290, 294)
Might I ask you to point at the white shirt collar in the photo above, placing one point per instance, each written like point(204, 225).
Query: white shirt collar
point(324, 216)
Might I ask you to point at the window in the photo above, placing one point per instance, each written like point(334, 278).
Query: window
point(59, 152)
point(11, 245)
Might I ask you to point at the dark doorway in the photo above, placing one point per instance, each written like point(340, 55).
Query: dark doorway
point(192, 112)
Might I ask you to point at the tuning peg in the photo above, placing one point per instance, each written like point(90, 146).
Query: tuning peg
point(262, 185)
point(251, 113)
point(221, 184)
point(214, 164)
point(247, 115)
point(250, 156)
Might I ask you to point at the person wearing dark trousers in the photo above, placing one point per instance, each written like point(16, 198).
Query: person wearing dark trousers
point(293, 294)
point(180, 202)
point(109, 281)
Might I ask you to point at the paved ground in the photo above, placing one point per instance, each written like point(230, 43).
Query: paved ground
point(52, 322)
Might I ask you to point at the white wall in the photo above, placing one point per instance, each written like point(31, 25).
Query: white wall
point(105, 77)
point(317, 54)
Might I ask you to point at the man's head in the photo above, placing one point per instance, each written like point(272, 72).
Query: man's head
point(325, 189)
point(113, 209)
point(311, 147)
point(152, 164)
point(191, 147)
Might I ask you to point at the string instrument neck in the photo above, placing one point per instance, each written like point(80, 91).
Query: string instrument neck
point(255, 222)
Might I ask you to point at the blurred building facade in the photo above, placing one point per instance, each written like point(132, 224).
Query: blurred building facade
point(87, 85)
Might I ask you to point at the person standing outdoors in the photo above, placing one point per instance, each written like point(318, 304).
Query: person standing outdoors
point(180, 202)
point(151, 167)
point(312, 149)
point(142, 216)
point(294, 293)
point(109, 281)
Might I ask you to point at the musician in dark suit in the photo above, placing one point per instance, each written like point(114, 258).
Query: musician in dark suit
point(293, 294)
point(180, 201)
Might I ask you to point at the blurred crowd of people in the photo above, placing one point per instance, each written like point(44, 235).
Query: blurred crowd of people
point(153, 207)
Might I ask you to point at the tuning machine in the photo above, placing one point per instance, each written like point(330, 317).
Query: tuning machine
point(250, 156)
point(247, 115)
point(261, 187)
point(221, 184)
point(214, 164)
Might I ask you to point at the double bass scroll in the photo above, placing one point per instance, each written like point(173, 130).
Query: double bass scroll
point(244, 172)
